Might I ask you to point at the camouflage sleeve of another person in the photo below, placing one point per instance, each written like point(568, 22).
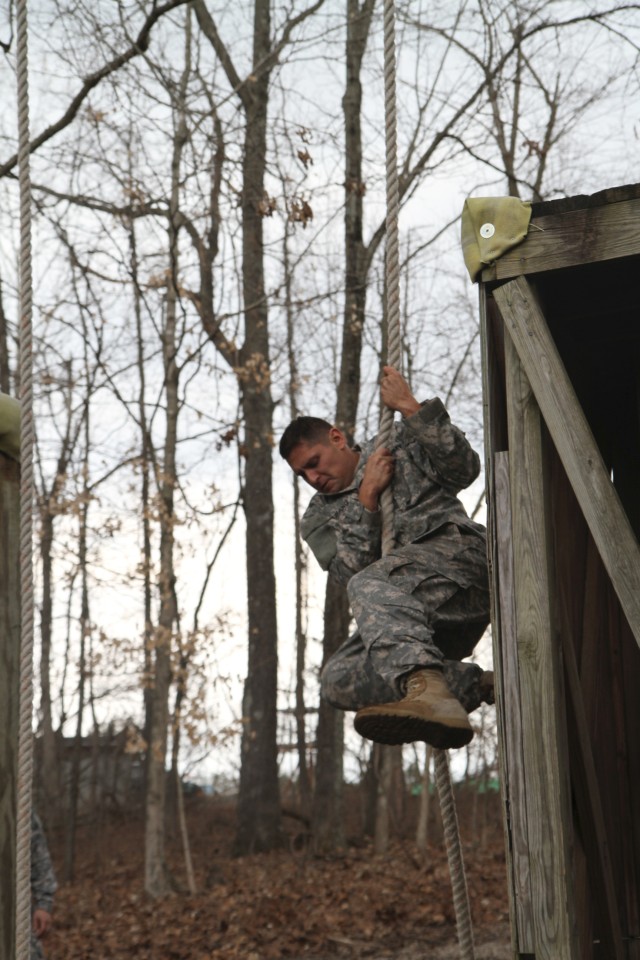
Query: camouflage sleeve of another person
point(343, 543)
point(43, 880)
point(450, 453)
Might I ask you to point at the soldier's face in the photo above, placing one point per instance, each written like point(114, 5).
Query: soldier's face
point(328, 466)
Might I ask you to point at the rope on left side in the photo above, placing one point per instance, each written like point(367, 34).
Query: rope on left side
point(25, 710)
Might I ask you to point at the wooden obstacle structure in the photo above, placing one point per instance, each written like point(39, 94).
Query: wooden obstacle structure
point(9, 684)
point(560, 317)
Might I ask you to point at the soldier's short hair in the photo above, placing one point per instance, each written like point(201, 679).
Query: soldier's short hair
point(303, 430)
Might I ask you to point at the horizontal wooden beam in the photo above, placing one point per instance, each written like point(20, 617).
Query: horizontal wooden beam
point(570, 239)
point(574, 441)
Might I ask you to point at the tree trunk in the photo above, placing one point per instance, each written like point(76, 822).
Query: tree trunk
point(184, 834)
point(157, 881)
point(145, 499)
point(258, 825)
point(327, 813)
point(49, 780)
point(85, 624)
point(5, 372)
point(398, 797)
point(422, 829)
point(370, 790)
point(383, 793)
point(329, 768)
point(356, 263)
point(389, 796)
point(50, 788)
point(304, 780)
point(76, 760)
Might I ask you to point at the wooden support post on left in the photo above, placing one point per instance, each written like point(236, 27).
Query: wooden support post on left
point(9, 692)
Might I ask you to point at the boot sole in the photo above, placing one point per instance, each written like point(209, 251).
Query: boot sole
point(391, 729)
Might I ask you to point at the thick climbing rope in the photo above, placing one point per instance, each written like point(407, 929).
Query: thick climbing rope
point(25, 741)
point(394, 358)
point(454, 855)
point(392, 262)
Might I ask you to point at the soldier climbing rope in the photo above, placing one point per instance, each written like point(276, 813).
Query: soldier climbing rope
point(394, 358)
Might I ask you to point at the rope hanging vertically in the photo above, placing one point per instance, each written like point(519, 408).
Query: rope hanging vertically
point(392, 261)
point(454, 854)
point(394, 358)
point(25, 365)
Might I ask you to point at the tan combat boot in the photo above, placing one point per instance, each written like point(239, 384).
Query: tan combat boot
point(428, 712)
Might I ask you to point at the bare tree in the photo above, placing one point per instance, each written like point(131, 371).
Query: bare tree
point(51, 505)
point(328, 818)
point(258, 800)
point(531, 82)
point(84, 629)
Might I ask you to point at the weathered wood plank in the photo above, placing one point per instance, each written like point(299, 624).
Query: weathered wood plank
point(544, 745)
point(580, 236)
point(627, 191)
point(491, 381)
point(587, 796)
point(513, 768)
point(625, 737)
point(575, 444)
point(9, 685)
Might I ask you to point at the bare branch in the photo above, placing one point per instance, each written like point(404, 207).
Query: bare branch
point(137, 48)
point(240, 86)
point(208, 27)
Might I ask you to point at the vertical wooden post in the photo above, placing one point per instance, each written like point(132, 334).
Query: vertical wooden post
point(513, 764)
point(9, 689)
point(544, 746)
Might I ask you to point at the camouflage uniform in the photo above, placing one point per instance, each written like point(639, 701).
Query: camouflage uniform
point(43, 881)
point(426, 603)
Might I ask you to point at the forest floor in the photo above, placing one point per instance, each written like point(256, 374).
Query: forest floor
point(286, 904)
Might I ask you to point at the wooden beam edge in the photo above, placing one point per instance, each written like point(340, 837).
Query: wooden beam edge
point(575, 443)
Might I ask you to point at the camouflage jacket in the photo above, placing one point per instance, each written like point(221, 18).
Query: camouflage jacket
point(433, 462)
point(43, 880)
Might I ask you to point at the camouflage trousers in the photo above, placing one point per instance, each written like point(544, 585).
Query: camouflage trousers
point(423, 605)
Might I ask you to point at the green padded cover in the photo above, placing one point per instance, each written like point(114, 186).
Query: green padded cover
point(9, 426)
point(491, 226)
